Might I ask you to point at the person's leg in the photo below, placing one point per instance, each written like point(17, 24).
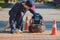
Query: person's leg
point(12, 22)
point(12, 19)
point(19, 26)
point(19, 21)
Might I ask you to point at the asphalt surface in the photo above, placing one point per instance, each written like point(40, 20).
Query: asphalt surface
point(48, 13)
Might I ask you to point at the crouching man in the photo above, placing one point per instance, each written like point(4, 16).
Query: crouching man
point(16, 14)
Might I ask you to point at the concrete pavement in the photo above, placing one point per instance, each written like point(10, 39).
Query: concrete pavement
point(30, 36)
point(48, 15)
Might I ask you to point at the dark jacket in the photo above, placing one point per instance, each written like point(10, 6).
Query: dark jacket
point(18, 7)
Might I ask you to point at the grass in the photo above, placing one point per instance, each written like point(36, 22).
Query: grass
point(0, 8)
point(53, 4)
point(58, 7)
point(4, 5)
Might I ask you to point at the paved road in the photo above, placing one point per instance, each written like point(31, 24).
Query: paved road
point(48, 14)
point(30, 36)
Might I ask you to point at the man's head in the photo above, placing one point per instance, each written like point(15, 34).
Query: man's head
point(29, 4)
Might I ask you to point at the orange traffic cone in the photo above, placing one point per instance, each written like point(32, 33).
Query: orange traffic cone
point(54, 29)
point(26, 24)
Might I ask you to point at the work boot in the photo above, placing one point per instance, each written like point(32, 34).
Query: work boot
point(12, 30)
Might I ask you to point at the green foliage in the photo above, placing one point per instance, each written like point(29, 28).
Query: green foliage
point(5, 5)
point(1, 0)
point(6, 1)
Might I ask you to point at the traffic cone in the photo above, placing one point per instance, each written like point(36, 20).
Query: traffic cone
point(54, 28)
point(26, 24)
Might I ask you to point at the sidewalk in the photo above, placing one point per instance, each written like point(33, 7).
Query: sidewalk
point(30, 36)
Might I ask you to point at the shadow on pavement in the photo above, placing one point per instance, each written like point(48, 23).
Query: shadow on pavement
point(3, 24)
point(48, 25)
point(44, 6)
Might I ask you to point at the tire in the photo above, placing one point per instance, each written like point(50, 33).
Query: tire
point(33, 29)
point(42, 28)
point(30, 29)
